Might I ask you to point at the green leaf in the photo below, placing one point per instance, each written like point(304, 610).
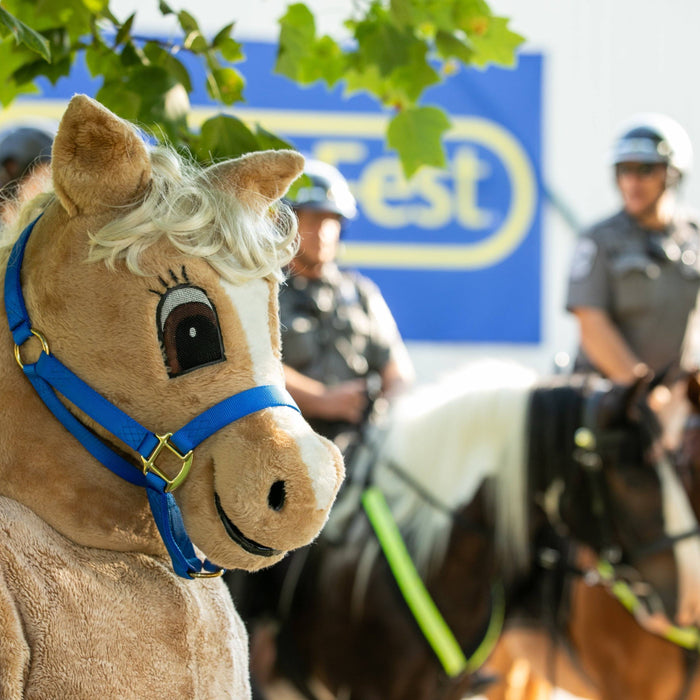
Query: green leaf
point(121, 100)
point(416, 135)
point(466, 10)
point(329, 59)
point(301, 56)
point(25, 35)
point(152, 83)
point(225, 85)
point(230, 50)
point(11, 59)
point(228, 47)
point(402, 12)
point(11, 23)
point(125, 30)
point(402, 87)
point(131, 55)
point(297, 34)
point(493, 42)
point(268, 140)
point(187, 22)
point(225, 136)
point(95, 6)
point(140, 94)
point(102, 61)
point(415, 74)
point(74, 16)
point(410, 81)
point(222, 34)
point(382, 44)
point(158, 56)
point(451, 46)
point(53, 71)
point(195, 42)
point(381, 88)
point(425, 16)
point(164, 8)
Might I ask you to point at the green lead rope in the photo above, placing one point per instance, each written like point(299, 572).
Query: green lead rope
point(422, 606)
point(686, 637)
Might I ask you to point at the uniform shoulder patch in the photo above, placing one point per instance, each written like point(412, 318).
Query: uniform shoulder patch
point(583, 258)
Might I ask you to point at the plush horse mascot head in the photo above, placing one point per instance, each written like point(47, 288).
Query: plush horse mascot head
point(146, 439)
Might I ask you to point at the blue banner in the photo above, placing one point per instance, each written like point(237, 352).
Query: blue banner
point(456, 252)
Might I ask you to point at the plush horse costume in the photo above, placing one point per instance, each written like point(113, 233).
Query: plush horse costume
point(145, 425)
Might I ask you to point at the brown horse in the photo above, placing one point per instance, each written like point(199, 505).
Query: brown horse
point(491, 472)
point(614, 655)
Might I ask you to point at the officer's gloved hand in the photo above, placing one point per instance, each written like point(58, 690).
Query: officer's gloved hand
point(346, 401)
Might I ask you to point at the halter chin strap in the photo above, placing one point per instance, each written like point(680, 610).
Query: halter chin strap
point(49, 377)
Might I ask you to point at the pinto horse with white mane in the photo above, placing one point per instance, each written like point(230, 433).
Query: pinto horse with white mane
point(146, 439)
point(494, 478)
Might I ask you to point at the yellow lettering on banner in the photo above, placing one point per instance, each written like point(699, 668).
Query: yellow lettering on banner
point(429, 184)
point(383, 193)
point(468, 170)
point(389, 200)
point(430, 200)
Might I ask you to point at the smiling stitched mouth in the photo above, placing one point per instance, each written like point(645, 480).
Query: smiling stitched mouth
point(239, 538)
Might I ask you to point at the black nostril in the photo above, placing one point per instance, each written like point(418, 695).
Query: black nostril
point(277, 495)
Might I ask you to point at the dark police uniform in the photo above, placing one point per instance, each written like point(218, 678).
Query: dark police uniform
point(334, 329)
point(647, 282)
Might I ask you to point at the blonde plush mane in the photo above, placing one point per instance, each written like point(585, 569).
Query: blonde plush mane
point(450, 437)
point(186, 205)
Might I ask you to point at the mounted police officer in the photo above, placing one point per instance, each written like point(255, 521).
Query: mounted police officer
point(337, 331)
point(635, 277)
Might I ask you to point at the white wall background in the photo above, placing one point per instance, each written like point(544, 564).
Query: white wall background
point(603, 61)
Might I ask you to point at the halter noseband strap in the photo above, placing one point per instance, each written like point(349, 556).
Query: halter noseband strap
point(48, 376)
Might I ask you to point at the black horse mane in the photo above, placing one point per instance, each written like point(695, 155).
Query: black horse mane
point(555, 413)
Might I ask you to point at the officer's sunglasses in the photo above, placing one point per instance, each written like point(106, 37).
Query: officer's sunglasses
point(638, 169)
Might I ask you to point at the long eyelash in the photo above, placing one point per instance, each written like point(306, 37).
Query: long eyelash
point(174, 278)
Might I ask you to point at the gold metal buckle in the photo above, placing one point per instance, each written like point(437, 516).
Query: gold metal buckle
point(42, 340)
point(207, 574)
point(150, 466)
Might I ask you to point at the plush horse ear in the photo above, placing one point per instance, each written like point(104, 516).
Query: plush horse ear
point(98, 160)
point(259, 178)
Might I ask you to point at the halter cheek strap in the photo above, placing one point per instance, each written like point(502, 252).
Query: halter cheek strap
point(51, 377)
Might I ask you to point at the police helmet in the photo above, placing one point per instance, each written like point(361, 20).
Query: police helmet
point(26, 146)
point(326, 190)
point(654, 138)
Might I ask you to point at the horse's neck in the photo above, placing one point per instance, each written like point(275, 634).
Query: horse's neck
point(46, 469)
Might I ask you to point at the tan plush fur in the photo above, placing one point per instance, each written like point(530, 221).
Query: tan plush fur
point(89, 604)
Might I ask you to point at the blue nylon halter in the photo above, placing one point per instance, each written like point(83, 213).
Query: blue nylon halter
point(48, 376)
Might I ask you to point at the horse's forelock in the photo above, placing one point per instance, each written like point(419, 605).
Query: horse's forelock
point(201, 220)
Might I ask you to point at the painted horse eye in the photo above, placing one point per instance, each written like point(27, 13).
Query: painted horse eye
point(189, 330)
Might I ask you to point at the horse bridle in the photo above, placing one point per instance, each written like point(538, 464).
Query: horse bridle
point(588, 455)
point(50, 377)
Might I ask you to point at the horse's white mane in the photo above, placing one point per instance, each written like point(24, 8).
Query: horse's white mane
point(449, 437)
point(184, 205)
